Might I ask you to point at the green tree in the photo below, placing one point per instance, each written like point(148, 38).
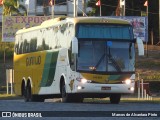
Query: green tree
point(13, 7)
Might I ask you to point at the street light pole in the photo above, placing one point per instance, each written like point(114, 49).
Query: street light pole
point(4, 54)
point(123, 7)
point(75, 8)
point(100, 9)
point(27, 3)
point(67, 9)
point(52, 7)
point(52, 11)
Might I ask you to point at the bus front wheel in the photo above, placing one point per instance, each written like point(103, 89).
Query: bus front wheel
point(115, 98)
point(65, 96)
point(69, 98)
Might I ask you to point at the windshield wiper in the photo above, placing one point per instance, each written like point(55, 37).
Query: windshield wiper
point(114, 63)
point(110, 58)
point(100, 60)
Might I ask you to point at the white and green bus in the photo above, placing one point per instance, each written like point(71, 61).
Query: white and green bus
point(75, 58)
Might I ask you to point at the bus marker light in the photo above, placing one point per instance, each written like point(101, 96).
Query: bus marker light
point(79, 87)
point(131, 89)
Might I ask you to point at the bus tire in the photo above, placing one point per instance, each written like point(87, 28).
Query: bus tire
point(23, 89)
point(65, 97)
point(115, 98)
point(28, 94)
point(28, 97)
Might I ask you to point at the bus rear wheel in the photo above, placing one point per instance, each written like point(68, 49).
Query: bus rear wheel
point(28, 94)
point(115, 98)
point(28, 97)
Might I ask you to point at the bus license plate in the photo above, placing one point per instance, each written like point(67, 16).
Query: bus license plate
point(105, 88)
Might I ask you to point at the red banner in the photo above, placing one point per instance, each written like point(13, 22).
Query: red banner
point(146, 3)
point(98, 3)
point(51, 2)
point(1, 2)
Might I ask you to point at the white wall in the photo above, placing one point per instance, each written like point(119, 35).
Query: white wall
point(59, 9)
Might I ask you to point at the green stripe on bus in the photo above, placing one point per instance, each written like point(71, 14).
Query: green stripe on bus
point(52, 69)
point(49, 69)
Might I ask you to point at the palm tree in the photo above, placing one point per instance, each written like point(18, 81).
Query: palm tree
point(12, 7)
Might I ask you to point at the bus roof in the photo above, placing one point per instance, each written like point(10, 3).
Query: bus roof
point(99, 20)
point(51, 22)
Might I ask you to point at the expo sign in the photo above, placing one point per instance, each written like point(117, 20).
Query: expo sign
point(11, 24)
point(30, 19)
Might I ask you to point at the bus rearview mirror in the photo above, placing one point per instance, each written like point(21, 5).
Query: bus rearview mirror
point(140, 47)
point(75, 45)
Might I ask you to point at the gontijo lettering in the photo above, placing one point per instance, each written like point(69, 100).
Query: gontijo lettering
point(34, 60)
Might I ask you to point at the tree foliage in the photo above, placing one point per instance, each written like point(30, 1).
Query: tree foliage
point(13, 7)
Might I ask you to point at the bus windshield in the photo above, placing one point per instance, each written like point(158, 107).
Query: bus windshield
point(105, 31)
point(104, 52)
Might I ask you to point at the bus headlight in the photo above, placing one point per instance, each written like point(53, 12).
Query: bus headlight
point(127, 81)
point(83, 80)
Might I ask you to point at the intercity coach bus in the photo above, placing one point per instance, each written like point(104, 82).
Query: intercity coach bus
point(76, 58)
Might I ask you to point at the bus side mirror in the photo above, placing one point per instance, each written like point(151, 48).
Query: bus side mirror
point(140, 47)
point(75, 45)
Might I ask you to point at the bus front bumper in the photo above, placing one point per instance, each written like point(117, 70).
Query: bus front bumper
point(104, 88)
